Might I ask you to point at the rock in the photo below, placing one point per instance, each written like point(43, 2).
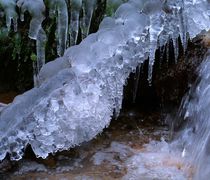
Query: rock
point(206, 39)
point(171, 79)
point(5, 166)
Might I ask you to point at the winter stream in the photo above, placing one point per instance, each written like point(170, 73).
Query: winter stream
point(78, 94)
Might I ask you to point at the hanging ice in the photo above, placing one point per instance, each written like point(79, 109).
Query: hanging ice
point(153, 9)
point(36, 8)
point(176, 18)
point(40, 51)
point(88, 9)
point(11, 15)
point(79, 92)
point(58, 9)
point(76, 6)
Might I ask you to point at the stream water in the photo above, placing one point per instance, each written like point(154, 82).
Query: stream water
point(78, 93)
point(136, 146)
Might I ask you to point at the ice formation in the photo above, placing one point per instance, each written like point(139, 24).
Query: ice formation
point(58, 9)
point(36, 9)
point(9, 9)
point(79, 92)
point(88, 9)
point(195, 138)
point(76, 6)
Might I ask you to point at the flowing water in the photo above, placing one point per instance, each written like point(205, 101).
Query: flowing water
point(194, 138)
point(136, 146)
point(79, 92)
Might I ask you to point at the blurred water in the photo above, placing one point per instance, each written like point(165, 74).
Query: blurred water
point(195, 136)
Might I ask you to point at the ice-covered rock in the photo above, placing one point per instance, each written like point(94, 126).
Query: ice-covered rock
point(77, 96)
point(49, 117)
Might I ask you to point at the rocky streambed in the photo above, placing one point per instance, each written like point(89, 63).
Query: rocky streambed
point(136, 146)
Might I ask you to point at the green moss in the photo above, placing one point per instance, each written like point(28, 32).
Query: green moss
point(112, 6)
point(33, 57)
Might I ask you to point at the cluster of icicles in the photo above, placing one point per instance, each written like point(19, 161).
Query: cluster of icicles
point(79, 92)
point(67, 28)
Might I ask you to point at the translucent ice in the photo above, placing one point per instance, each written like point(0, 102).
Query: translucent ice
point(9, 9)
point(40, 51)
point(88, 9)
point(36, 8)
point(58, 9)
point(76, 6)
point(73, 104)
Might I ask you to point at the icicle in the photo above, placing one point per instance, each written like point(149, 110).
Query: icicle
point(155, 29)
point(183, 28)
point(88, 9)
point(176, 49)
point(35, 74)
point(59, 9)
point(136, 85)
point(176, 33)
point(40, 51)
point(62, 27)
point(39, 59)
point(36, 8)
point(11, 15)
point(74, 21)
point(168, 50)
